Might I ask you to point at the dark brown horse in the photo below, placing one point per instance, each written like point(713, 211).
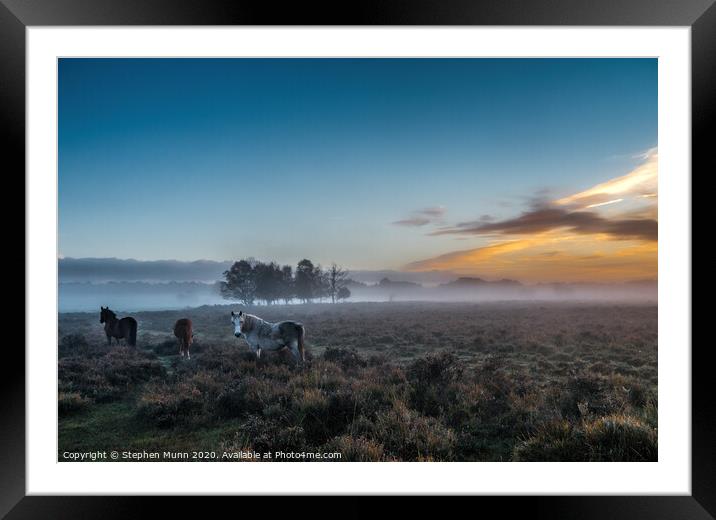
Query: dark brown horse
point(116, 328)
point(184, 333)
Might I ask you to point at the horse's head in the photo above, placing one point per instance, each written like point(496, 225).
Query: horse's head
point(238, 320)
point(105, 314)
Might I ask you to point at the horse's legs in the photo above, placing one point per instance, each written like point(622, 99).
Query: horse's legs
point(294, 351)
point(109, 340)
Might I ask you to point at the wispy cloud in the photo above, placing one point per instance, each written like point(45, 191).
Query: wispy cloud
point(639, 183)
point(423, 217)
point(412, 222)
point(435, 211)
point(550, 218)
point(599, 204)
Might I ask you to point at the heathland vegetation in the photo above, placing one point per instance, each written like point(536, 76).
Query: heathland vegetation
point(383, 381)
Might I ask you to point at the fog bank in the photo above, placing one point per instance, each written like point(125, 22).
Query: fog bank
point(139, 296)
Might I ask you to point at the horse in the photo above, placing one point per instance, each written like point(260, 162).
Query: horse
point(116, 328)
point(261, 334)
point(184, 333)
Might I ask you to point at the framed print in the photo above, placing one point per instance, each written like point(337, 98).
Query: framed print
point(422, 252)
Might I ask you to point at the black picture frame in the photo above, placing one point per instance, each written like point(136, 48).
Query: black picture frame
point(700, 15)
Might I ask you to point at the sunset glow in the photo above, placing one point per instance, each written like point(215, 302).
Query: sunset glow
point(578, 251)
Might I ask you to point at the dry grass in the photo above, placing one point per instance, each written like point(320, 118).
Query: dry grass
point(394, 381)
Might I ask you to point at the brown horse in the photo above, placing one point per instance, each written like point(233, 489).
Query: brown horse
point(116, 328)
point(184, 333)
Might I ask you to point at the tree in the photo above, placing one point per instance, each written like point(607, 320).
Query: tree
point(249, 280)
point(268, 281)
point(307, 282)
point(287, 289)
point(240, 282)
point(336, 279)
point(343, 293)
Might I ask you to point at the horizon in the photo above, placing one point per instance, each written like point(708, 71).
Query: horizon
point(363, 273)
point(537, 170)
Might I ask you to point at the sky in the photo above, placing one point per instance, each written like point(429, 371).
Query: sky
point(532, 169)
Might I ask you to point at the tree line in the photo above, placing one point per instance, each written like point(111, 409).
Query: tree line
point(249, 281)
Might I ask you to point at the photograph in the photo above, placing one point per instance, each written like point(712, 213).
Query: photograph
point(357, 259)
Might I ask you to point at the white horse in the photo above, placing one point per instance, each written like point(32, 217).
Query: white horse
point(261, 334)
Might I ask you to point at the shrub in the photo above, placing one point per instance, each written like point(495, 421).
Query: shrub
point(76, 345)
point(407, 435)
point(324, 375)
point(71, 402)
point(354, 449)
point(242, 397)
point(616, 438)
point(311, 411)
point(586, 394)
point(126, 365)
point(347, 359)
point(435, 369)
point(165, 405)
point(267, 435)
point(621, 438)
point(108, 377)
point(168, 347)
point(238, 443)
point(373, 396)
point(225, 359)
point(429, 378)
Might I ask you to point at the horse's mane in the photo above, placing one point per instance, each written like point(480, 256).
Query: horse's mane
point(250, 322)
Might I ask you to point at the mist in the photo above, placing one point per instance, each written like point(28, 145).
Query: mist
point(145, 296)
point(477, 290)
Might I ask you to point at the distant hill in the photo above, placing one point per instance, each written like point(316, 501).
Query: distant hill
point(421, 277)
point(131, 270)
point(466, 281)
point(387, 283)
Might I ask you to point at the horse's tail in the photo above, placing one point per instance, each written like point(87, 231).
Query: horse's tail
point(132, 340)
point(301, 334)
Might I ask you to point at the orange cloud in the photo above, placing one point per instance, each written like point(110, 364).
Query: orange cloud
point(576, 238)
point(569, 258)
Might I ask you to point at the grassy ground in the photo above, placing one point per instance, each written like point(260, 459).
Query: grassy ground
point(384, 381)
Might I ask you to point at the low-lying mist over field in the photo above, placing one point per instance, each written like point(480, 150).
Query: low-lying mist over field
point(132, 285)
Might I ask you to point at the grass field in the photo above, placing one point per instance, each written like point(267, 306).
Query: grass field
point(382, 382)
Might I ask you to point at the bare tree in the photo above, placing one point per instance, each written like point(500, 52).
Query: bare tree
point(337, 279)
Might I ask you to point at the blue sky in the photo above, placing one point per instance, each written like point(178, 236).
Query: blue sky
point(289, 158)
